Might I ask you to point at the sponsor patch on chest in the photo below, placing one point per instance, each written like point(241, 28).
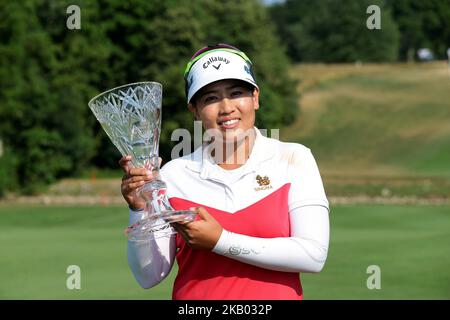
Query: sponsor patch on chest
point(263, 183)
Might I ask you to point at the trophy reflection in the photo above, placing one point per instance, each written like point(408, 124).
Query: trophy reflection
point(131, 117)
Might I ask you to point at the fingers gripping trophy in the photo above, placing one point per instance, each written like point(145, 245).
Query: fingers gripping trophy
point(131, 117)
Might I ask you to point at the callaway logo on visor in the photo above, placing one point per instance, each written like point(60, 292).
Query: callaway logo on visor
point(217, 60)
point(216, 63)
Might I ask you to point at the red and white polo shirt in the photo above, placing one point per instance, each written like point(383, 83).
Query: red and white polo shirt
point(253, 200)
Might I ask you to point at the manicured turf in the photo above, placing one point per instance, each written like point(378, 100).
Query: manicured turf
point(385, 119)
point(409, 243)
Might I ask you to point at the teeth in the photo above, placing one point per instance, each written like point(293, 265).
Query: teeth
point(230, 122)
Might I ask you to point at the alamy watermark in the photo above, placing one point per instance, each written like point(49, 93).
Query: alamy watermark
point(374, 20)
point(74, 279)
point(223, 146)
point(374, 280)
point(73, 22)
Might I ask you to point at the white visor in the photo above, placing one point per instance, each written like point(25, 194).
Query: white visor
point(218, 65)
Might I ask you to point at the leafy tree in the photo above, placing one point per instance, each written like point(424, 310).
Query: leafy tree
point(422, 24)
point(43, 120)
point(335, 31)
point(246, 24)
point(49, 73)
point(161, 37)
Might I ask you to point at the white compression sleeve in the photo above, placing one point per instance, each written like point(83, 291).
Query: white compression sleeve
point(150, 261)
point(305, 251)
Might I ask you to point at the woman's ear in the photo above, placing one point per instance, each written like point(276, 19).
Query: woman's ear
point(256, 98)
point(193, 109)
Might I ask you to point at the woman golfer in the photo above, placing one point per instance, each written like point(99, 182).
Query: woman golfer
point(262, 210)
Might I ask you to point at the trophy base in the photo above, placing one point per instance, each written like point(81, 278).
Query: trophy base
point(158, 225)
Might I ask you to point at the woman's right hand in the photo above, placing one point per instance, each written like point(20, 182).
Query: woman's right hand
point(131, 181)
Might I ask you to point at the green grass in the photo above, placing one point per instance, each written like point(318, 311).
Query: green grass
point(39, 243)
point(408, 243)
point(387, 119)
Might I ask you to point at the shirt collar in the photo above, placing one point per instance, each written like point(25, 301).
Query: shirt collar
point(202, 162)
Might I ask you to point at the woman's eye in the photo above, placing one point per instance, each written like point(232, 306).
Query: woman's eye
point(209, 99)
point(236, 93)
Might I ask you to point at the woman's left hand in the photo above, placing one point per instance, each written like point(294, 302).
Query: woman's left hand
point(200, 234)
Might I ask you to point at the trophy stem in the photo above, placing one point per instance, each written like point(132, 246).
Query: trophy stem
point(154, 194)
point(159, 213)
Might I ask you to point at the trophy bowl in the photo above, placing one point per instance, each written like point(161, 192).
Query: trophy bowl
point(131, 117)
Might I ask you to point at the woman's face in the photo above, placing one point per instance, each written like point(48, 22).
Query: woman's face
point(228, 106)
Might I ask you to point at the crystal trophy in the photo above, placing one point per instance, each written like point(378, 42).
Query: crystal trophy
point(131, 117)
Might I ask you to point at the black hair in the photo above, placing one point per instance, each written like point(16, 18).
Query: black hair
point(245, 84)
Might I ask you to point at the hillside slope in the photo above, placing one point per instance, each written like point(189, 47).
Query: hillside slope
point(387, 122)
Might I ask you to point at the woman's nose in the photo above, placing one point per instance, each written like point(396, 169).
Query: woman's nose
point(226, 106)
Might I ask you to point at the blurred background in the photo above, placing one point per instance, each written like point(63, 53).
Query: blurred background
point(368, 94)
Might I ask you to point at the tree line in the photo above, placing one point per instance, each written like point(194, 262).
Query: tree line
point(48, 72)
point(336, 31)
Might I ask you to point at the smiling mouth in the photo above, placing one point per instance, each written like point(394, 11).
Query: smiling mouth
point(229, 122)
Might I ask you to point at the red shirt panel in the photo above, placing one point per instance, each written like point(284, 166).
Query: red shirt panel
point(204, 275)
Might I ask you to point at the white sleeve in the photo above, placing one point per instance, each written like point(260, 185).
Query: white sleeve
point(150, 261)
point(305, 251)
point(306, 182)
